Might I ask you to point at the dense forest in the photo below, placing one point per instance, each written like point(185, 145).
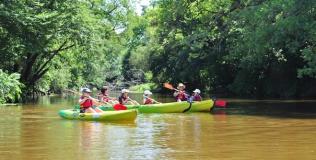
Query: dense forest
point(244, 48)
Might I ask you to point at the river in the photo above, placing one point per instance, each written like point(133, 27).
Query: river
point(244, 130)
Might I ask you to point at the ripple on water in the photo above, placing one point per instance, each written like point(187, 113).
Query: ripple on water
point(240, 132)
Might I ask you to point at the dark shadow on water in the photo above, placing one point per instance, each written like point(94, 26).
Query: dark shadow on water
point(300, 110)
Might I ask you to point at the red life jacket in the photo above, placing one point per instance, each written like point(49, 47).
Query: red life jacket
point(182, 96)
point(104, 97)
point(148, 101)
point(87, 103)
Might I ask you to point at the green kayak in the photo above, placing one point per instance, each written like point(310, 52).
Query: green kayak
point(123, 115)
point(174, 107)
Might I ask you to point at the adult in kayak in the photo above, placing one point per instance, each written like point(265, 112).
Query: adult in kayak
point(196, 95)
point(124, 99)
point(180, 93)
point(148, 99)
point(104, 96)
point(87, 102)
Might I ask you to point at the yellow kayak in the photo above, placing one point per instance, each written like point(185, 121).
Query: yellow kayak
point(173, 107)
point(122, 115)
point(177, 107)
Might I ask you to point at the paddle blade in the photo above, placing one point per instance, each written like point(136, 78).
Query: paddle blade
point(119, 107)
point(220, 103)
point(168, 85)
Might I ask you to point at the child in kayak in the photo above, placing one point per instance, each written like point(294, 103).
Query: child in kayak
point(196, 95)
point(87, 102)
point(124, 99)
point(104, 96)
point(148, 99)
point(180, 93)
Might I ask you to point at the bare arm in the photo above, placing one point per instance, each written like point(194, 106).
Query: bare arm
point(81, 101)
point(155, 101)
point(175, 94)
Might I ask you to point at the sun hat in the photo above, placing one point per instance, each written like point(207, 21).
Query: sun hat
point(197, 91)
point(181, 85)
point(85, 90)
point(125, 91)
point(147, 92)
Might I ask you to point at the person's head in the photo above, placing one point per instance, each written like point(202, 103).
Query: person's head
point(147, 93)
point(104, 90)
point(86, 92)
point(125, 92)
point(181, 86)
point(196, 92)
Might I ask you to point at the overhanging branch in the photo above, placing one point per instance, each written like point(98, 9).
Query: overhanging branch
point(43, 68)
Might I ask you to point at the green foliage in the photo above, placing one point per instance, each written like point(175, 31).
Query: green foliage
point(10, 87)
point(142, 87)
point(273, 38)
point(191, 40)
point(35, 32)
point(255, 48)
point(63, 44)
point(245, 48)
point(309, 56)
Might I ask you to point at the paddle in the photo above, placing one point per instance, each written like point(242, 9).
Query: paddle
point(169, 86)
point(152, 100)
point(220, 103)
point(119, 106)
point(133, 101)
point(96, 101)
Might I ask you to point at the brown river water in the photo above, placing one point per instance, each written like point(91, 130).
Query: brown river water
point(244, 130)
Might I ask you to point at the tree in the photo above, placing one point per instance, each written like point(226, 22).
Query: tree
point(35, 32)
point(245, 48)
point(79, 39)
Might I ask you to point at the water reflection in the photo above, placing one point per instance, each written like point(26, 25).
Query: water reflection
point(242, 131)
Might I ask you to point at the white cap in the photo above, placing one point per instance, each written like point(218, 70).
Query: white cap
point(181, 85)
point(85, 90)
point(197, 91)
point(147, 92)
point(125, 91)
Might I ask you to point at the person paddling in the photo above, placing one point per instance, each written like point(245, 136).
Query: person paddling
point(87, 102)
point(180, 93)
point(104, 96)
point(124, 99)
point(196, 95)
point(148, 99)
